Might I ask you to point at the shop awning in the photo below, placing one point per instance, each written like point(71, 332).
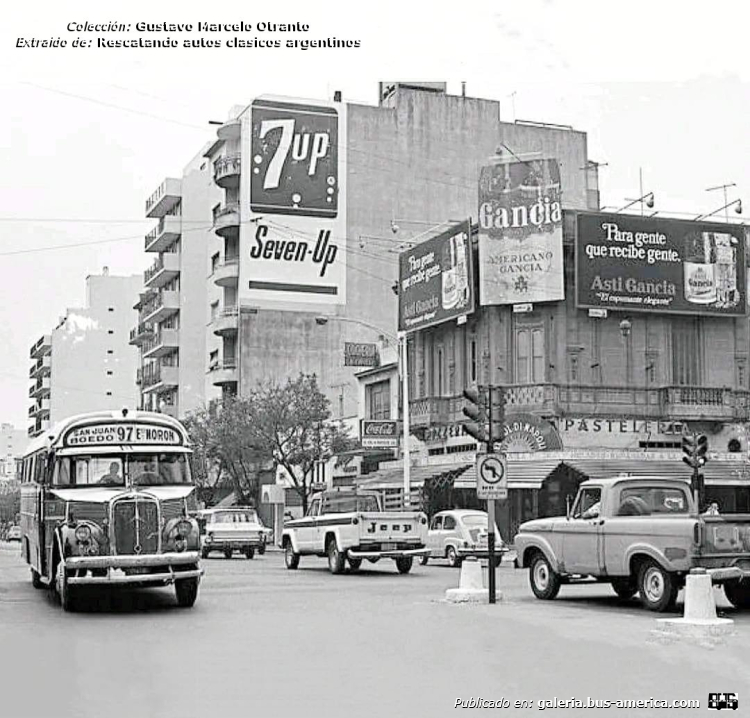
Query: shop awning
point(394, 478)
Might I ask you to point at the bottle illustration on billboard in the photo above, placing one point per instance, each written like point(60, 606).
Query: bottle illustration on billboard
point(455, 272)
point(727, 295)
point(700, 268)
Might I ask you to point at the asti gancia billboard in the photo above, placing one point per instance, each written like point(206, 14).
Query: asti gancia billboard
point(293, 202)
point(436, 280)
point(634, 263)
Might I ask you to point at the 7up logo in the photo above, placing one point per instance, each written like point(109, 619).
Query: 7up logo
point(294, 157)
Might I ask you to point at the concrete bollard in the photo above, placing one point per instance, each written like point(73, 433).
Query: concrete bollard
point(471, 586)
point(699, 619)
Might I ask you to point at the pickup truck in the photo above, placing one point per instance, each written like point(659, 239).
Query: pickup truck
point(347, 526)
point(641, 535)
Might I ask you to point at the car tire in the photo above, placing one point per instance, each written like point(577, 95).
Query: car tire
point(291, 559)
point(250, 553)
point(336, 559)
point(625, 588)
point(657, 586)
point(424, 560)
point(404, 564)
point(738, 593)
point(227, 553)
point(453, 559)
point(354, 564)
point(544, 580)
point(65, 591)
point(36, 579)
point(186, 590)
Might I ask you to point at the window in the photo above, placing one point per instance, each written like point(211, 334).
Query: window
point(645, 500)
point(213, 359)
point(110, 331)
point(109, 393)
point(439, 372)
point(472, 361)
point(686, 351)
point(378, 397)
point(437, 523)
point(587, 505)
point(109, 373)
point(529, 355)
point(215, 259)
point(214, 309)
point(110, 309)
point(110, 351)
point(449, 524)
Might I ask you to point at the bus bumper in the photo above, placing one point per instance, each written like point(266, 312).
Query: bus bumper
point(156, 568)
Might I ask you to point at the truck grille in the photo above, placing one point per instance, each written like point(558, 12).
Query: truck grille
point(136, 524)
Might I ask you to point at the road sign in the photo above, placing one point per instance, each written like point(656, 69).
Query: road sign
point(492, 477)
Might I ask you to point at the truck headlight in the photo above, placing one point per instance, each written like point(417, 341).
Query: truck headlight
point(83, 533)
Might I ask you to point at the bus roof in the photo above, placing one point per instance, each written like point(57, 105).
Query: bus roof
point(53, 435)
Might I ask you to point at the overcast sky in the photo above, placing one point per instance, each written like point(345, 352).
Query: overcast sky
point(87, 134)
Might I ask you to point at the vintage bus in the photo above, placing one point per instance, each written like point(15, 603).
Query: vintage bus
point(106, 500)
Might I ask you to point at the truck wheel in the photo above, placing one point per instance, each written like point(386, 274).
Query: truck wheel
point(625, 588)
point(354, 564)
point(36, 580)
point(738, 593)
point(544, 580)
point(336, 559)
point(250, 552)
point(453, 560)
point(186, 591)
point(262, 549)
point(658, 587)
point(404, 564)
point(228, 553)
point(291, 559)
point(204, 553)
point(64, 590)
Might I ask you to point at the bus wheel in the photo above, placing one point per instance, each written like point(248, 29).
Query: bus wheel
point(64, 589)
point(36, 580)
point(186, 590)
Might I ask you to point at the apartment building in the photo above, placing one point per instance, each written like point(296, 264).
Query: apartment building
point(85, 363)
point(12, 445)
point(170, 332)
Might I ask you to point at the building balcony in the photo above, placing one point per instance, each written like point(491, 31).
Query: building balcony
point(226, 321)
point(227, 220)
point(139, 334)
point(43, 345)
point(37, 428)
point(227, 172)
point(160, 377)
point(167, 231)
point(139, 376)
point(40, 388)
point(696, 403)
point(230, 130)
point(162, 271)
point(435, 410)
point(144, 298)
point(223, 373)
point(41, 367)
point(165, 198)
point(40, 408)
point(227, 274)
point(163, 342)
point(163, 305)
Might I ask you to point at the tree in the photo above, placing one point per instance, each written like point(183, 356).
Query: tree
point(226, 448)
point(294, 421)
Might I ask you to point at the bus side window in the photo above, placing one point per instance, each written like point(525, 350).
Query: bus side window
point(39, 469)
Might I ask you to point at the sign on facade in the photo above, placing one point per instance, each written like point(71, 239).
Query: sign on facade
point(293, 202)
point(436, 280)
point(122, 433)
point(361, 354)
point(634, 263)
point(492, 476)
point(520, 233)
point(379, 434)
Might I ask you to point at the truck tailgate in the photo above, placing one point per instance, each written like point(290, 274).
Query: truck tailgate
point(392, 527)
point(726, 535)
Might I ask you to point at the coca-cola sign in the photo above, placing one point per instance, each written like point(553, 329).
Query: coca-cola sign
point(635, 263)
point(520, 233)
point(378, 433)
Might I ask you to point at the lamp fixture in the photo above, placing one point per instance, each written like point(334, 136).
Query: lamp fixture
point(737, 209)
point(647, 200)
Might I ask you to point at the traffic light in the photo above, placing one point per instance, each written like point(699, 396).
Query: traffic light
point(688, 449)
point(497, 414)
point(476, 410)
point(701, 447)
point(694, 449)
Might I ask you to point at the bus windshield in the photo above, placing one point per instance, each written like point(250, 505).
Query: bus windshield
point(152, 469)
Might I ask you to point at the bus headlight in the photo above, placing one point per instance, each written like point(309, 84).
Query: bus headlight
point(83, 533)
point(184, 528)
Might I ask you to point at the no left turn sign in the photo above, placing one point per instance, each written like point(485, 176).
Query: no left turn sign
point(492, 477)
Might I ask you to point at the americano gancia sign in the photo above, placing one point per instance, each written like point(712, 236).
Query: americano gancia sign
point(660, 265)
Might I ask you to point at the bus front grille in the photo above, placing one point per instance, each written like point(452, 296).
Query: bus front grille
point(136, 526)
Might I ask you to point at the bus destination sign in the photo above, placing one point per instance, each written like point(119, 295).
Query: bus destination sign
point(122, 433)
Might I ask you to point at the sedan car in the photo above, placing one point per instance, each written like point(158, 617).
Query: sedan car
point(459, 533)
point(14, 533)
point(232, 529)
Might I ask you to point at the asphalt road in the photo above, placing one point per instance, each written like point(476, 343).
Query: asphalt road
point(264, 641)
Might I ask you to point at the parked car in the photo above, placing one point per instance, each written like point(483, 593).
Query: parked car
point(232, 529)
point(14, 533)
point(459, 533)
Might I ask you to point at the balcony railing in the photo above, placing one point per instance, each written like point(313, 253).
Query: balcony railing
point(167, 265)
point(227, 171)
point(140, 333)
point(166, 231)
point(227, 218)
point(42, 345)
point(166, 196)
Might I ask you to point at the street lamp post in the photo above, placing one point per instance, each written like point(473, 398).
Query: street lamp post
point(401, 341)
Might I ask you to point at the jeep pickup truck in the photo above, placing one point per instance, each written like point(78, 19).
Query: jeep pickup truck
point(641, 535)
point(346, 526)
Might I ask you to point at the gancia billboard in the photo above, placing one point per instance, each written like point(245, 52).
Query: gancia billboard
point(651, 264)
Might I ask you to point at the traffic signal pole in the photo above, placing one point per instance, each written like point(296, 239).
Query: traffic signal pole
point(491, 509)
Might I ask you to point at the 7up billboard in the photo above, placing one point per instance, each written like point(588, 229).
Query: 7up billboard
point(292, 202)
